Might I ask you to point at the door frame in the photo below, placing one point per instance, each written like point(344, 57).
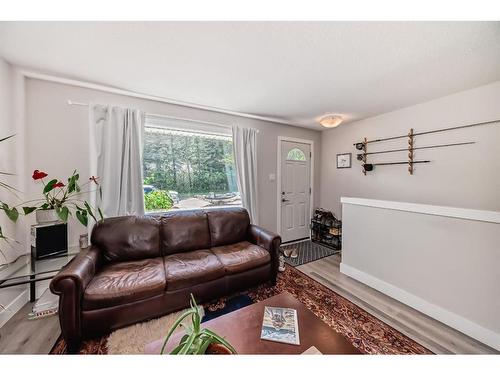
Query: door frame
point(278, 179)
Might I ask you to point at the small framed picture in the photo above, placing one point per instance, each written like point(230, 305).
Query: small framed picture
point(344, 160)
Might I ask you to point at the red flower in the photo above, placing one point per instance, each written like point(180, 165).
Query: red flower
point(59, 185)
point(94, 178)
point(37, 175)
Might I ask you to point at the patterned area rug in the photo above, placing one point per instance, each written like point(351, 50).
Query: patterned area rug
point(364, 331)
point(308, 251)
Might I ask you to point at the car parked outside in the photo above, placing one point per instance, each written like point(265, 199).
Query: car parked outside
point(148, 188)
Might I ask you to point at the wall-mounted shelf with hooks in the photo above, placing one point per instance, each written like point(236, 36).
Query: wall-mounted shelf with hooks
point(359, 144)
point(367, 167)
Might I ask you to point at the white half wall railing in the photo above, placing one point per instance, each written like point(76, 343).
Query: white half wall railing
point(442, 261)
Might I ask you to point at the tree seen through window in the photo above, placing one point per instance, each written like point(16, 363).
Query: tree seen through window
point(188, 170)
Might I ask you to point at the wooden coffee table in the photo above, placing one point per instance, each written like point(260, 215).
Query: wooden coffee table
point(242, 329)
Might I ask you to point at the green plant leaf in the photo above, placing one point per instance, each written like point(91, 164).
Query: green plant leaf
point(182, 342)
point(82, 218)
point(193, 300)
point(204, 346)
point(177, 348)
point(188, 344)
point(71, 184)
point(11, 213)
point(28, 210)
point(89, 211)
point(100, 213)
point(63, 213)
point(49, 186)
point(174, 326)
point(188, 328)
point(219, 339)
point(196, 320)
point(184, 339)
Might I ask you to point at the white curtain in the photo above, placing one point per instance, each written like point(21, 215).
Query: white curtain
point(245, 161)
point(116, 136)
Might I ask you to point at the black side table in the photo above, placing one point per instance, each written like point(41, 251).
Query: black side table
point(27, 270)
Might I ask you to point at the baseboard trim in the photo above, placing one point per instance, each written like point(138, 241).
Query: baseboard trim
point(449, 318)
point(12, 308)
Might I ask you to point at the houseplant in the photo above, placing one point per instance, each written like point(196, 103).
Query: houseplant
point(59, 200)
point(197, 340)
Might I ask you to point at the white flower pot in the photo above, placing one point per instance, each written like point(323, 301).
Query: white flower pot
point(46, 216)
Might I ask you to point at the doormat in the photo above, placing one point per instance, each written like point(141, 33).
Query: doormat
point(307, 251)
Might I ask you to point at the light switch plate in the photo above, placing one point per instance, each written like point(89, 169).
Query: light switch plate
point(272, 177)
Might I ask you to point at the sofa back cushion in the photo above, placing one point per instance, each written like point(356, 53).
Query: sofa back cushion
point(184, 231)
point(127, 238)
point(228, 225)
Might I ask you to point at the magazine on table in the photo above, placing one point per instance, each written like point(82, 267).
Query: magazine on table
point(280, 324)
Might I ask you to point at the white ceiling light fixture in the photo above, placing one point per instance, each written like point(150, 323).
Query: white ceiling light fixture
point(331, 121)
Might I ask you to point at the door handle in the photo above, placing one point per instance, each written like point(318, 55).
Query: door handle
point(284, 200)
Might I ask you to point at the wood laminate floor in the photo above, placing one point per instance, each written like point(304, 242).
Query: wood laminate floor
point(20, 335)
point(427, 331)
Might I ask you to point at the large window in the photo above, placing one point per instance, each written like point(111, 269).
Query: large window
point(185, 169)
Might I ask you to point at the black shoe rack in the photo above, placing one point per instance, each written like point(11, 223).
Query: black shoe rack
point(326, 229)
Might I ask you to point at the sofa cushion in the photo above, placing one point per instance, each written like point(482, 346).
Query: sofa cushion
point(184, 231)
point(228, 225)
point(184, 270)
point(241, 256)
point(125, 282)
point(127, 238)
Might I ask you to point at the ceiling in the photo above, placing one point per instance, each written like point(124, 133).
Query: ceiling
point(291, 71)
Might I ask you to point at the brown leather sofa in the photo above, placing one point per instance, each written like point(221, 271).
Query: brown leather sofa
point(140, 268)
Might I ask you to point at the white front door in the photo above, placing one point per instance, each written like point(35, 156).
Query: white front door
point(295, 190)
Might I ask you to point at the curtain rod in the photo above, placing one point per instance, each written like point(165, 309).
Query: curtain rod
point(71, 102)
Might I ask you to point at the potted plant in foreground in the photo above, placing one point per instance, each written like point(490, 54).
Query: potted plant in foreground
point(197, 340)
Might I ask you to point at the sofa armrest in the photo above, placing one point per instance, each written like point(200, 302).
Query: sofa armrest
point(70, 284)
point(269, 241)
point(80, 271)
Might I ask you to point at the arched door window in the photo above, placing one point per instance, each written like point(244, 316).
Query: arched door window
point(296, 155)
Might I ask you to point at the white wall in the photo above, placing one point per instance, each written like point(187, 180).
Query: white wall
point(446, 267)
point(15, 297)
point(462, 176)
point(57, 138)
